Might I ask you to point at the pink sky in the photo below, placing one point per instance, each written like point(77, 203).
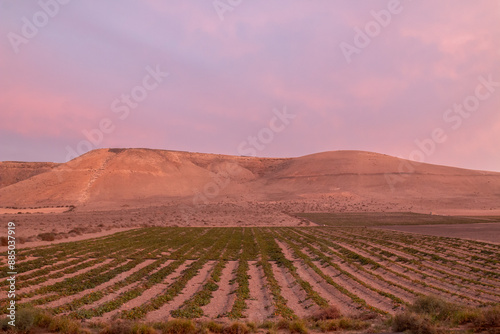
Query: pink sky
point(225, 77)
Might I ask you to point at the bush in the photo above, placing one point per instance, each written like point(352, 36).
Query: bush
point(328, 313)
point(283, 324)
point(179, 326)
point(488, 319)
point(47, 236)
point(252, 326)
point(297, 326)
point(4, 324)
point(141, 328)
point(267, 324)
point(435, 307)
point(215, 327)
point(42, 319)
point(293, 326)
point(237, 328)
point(342, 324)
point(118, 327)
point(25, 319)
point(414, 323)
point(466, 316)
point(64, 325)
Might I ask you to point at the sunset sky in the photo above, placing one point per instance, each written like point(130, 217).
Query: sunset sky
point(351, 75)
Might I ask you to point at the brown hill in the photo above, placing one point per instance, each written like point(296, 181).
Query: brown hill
point(111, 178)
point(14, 171)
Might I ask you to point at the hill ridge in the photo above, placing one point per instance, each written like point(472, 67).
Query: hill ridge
point(110, 178)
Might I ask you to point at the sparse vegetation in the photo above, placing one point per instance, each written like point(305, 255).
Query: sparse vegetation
point(430, 314)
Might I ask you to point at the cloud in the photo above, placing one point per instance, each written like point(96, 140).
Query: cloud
point(227, 76)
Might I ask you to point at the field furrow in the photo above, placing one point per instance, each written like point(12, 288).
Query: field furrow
point(253, 274)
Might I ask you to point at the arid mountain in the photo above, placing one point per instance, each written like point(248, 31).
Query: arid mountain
point(112, 178)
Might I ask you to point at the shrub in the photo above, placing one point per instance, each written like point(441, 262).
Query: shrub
point(215, 327)
point(297, 326)
point(435, 307)
point(77, 231)
point(488, 319)
point(268, 325)
point(327, 313)
point(342, 324)
point(25, 319)
point(4, 324)
point(47, 236)
point(252, 326)
point(64, 325)
point(465, 316)
point(237, 328)
point(141, 328)
point(118, 327)
point(414, 323)
point(365, 316)
point(179, 326)
point(283, 324)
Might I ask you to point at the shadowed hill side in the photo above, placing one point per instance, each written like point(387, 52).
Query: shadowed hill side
point(14, 171)
point(111, 178)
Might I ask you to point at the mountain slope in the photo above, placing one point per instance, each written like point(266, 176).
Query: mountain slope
point(14, 171)
point(111, 178)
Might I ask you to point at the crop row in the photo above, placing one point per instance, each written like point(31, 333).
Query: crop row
point(363, 270)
